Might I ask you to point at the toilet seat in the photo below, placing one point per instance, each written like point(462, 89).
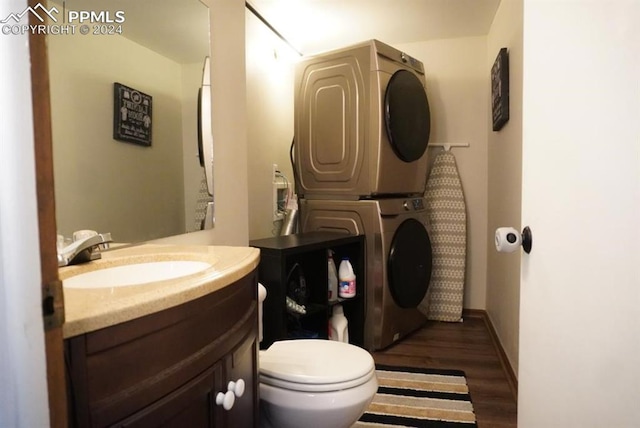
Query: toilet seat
point(315, 365)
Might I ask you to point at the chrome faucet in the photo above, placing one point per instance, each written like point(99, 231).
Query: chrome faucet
point(83, 250)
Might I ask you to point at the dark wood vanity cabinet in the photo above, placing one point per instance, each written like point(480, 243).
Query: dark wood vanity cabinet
point(166, 369)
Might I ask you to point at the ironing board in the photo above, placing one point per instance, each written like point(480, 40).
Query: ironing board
point(448, 220)
point(201, 203)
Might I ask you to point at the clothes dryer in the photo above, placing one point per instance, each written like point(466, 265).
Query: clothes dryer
point(362, 123)
point(398, 258)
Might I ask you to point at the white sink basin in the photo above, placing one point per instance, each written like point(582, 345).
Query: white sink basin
point(135, 274)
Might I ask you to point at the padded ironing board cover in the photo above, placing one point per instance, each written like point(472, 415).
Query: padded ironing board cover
point(448, 219)
point(201, 203)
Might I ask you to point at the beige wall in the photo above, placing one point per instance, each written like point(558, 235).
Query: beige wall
point(270, 121)
point(134, 192)
point(229, 121)
point(505, 181)
point(457, 89)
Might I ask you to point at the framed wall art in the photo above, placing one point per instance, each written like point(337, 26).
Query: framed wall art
point(500, 90)
point(132, 115)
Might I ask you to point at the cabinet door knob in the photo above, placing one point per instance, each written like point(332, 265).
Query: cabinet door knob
point(225, 399)
point(237, 387)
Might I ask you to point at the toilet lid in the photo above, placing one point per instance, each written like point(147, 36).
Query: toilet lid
point(315, 365)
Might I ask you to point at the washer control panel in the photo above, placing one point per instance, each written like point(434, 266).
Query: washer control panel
point(396, 206)
point(416, 204)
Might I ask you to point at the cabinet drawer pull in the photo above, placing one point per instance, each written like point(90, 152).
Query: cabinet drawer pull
point(226, 399)
point(237, 387)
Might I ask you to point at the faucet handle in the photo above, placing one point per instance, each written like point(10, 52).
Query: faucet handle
point(106, 238)
point(83, 234)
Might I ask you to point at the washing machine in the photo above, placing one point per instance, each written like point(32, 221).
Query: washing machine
point(398, 258)
point(362, 123)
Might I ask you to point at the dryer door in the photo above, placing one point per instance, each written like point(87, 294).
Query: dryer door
point(407, 116)
point(409, 264)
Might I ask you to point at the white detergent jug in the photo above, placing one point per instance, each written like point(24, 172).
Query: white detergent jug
point(347, 279)
point(338, 325)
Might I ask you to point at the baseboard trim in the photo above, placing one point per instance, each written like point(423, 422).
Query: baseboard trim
point(502, 356)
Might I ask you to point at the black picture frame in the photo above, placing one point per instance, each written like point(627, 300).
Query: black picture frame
point(500, 90)
point(132, 115)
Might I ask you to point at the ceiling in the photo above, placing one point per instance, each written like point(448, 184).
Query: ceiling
point(318, 25)
point(179, 29)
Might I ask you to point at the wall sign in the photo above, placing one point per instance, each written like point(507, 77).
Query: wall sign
point(131, 115)
point(500, 89)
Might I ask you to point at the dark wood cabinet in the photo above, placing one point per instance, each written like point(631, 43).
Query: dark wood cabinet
point(191, 405)
point(166, 369)
point(283, 260)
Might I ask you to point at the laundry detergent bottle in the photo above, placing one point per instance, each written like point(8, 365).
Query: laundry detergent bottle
point(333, 277)
point(338, 325)
point(347, 279)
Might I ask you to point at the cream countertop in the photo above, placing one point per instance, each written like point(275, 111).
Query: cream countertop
point(92, 309)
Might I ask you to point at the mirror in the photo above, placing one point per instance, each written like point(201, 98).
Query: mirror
point(134, 191)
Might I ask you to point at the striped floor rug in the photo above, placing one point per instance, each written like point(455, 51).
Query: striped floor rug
point(411, 397)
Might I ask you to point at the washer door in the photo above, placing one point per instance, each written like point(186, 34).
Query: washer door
point(407, 116)
point(409, 264)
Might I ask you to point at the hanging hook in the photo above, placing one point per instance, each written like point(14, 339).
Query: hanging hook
point(447, 146)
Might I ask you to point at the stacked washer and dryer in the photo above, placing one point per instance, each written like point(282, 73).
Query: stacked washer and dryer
point(362, 126)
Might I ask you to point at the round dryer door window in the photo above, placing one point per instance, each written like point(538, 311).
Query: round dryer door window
point(407, 116)
point(409, 264)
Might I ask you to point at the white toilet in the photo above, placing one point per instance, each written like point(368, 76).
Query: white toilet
point(314, 383)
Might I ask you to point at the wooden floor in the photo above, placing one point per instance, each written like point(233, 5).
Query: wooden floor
point(463, 346)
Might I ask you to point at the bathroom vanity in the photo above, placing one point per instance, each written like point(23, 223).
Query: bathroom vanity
point(180, 352)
